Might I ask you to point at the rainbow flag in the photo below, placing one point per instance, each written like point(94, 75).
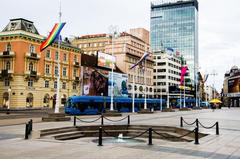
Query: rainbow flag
point(52, 36)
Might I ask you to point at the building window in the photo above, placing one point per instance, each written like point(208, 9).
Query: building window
point(64, 85)
point(32, 49)
point(65, 57)
point(75, 58)
point(30, 82)
point(56, 71)
point(47, 69)
point(55, 84)
point(74, 86)
point(48, 54)
point(9, 47)
point(6, 82)
point(56, 55)
point(46, 84)
point(8, 65)
point(64, 73)
point(30, 66)
point(75, 73)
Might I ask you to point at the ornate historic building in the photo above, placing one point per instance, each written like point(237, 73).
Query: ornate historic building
point(28, 77)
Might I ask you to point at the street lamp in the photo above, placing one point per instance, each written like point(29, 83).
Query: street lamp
point(113, 30)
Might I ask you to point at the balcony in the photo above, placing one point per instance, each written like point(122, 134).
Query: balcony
point(6, 73)
point(76, 64)
point(32, 55)
point(77, 79)
point(7, 54)
point(32, 74)
point(47, 75)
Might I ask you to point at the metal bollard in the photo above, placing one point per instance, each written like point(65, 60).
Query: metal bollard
point(74, 121)
point(217, 128)
point(100, 137)
point(196, 136)
point(197, 124)
point(150, 136)
point(102, 120)
point(128, 119)
point(26, 131)
point(181, 121)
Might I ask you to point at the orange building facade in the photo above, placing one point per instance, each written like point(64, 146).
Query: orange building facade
point(28, 77)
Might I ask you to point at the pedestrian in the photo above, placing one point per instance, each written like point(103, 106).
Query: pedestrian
point(213, 106)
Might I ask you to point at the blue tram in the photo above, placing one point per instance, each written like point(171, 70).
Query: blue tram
point(91, 105)
point(189, 102)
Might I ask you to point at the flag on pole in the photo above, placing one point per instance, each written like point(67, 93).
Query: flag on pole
point(177, 53)
point(183, 73)
point(145, 55)
point(170, 49)
point(52, 36)
point(205, 78)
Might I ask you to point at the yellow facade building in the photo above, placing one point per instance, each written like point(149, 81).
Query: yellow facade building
point(28, 77)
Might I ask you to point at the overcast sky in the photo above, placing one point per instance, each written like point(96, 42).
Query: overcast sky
point(219, 23)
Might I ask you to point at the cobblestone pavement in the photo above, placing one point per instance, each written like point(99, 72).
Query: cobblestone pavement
point(224, 146)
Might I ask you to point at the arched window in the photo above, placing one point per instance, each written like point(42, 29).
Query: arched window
point(29, 100)
point(30, 66)
point(9, 47)
point(5, 99)
point(64, 99)
point(8, 65)
point(32, 49)
point(46, 100)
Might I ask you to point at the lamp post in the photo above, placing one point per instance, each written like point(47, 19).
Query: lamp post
point(9, 97)
point(156, 84)
point(213, 74)
point(114, 33)
point(133, 92)
point(196, 86)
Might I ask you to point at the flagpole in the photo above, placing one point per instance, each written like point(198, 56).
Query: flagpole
point(133, 93)
point(145, 100)
point(184, 104)
point(205, 82)
point(180, 106)
point(58, 77)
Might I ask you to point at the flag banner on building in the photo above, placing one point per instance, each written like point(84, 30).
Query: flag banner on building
point(177, 53)
point(183, 73)
point(52, 36)
point(205, 78)
point(170, 49)
point(145, 55)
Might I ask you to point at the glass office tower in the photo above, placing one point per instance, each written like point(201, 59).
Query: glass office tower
point(174, 24)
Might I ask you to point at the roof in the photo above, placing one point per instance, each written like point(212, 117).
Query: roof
point(21, 24)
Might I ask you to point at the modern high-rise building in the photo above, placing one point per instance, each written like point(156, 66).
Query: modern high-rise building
point(174, 24)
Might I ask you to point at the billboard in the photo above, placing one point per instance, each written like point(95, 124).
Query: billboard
point(234, 87)
point(119, 84)
point(95, 82)
point(106, 60)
